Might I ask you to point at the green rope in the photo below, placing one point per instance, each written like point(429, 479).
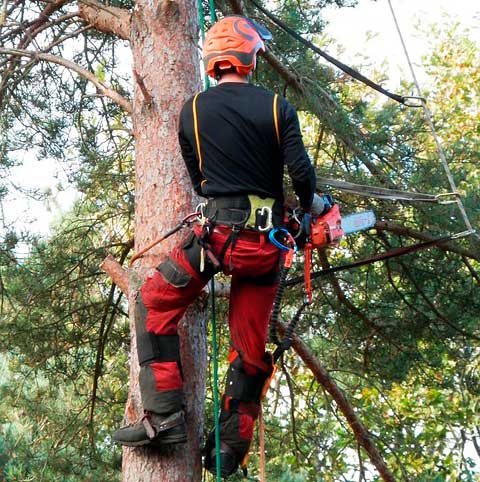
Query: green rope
point(201, 16)
point(215, 382)
point(213, 15)
point(216, 404)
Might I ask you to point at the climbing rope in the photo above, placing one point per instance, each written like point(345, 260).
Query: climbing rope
point(428, 116)
point(387, 194)
point(393, 253)
point(405, 100)
point(216, 402)
point(261, 443)
point(213, 14)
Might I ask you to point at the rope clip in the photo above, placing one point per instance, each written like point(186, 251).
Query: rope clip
point(463, 234)
point(418, 101)
point(456, 195)
point(189, 218)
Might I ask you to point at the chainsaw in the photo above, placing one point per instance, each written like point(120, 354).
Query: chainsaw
point(323, 229)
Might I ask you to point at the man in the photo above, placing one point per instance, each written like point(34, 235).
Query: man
point(235, 139)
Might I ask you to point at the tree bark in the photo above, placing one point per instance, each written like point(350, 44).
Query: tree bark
point(163, 38)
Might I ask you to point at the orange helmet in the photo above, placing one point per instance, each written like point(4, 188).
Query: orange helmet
point(234, 41)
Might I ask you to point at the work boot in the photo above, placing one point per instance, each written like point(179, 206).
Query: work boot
point(228, 460)
point(233, 446)
point(153, 429)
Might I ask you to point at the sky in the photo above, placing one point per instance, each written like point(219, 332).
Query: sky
point(351, 27)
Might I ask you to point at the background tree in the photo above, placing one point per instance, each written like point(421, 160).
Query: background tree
point(400, 339)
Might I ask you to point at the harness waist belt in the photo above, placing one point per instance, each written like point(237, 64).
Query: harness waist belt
point(244, 211)
point(230, 202)
point(228, 210)
point(245, 234)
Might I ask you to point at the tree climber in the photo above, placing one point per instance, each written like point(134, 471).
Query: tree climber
point(235, 139)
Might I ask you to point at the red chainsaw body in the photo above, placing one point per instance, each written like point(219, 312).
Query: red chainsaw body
point(326, 230)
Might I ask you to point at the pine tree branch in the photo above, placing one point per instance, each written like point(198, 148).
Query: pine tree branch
point(29, 33)
point(103, 331)
point(361, 433)
point(35, 27)
point(106, 19)
point(413, 233)
point(101, 87)
point(474, 274)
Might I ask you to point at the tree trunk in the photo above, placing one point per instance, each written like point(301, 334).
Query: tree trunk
point(166, 72)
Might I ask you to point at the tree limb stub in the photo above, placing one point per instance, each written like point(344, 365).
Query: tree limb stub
point(102, 88)
point(413, 233)
point(110, 20)
point(360, 431)
point(117, 273)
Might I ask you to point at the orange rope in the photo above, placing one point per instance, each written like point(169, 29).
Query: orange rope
point(185, 222)
point(143, 251)
point(261, 429)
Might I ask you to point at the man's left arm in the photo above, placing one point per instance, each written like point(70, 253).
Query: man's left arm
point(298, 163)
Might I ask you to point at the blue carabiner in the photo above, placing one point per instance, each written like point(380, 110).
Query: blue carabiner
point(278, 244)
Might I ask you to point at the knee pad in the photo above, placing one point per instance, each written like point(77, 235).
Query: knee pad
point(192, 248)
point(247, 387)
point(151, 347)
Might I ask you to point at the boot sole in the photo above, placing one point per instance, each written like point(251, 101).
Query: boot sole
point(153, 443)
point(158, 442)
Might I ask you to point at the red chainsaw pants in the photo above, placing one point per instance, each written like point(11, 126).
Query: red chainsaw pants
point(252, 261)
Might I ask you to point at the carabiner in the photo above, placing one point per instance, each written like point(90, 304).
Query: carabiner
point(268, 223)
point(278, 244)
point(455, 195)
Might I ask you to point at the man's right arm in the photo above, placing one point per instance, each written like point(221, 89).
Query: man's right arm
point(185, 126)
point(295, 156)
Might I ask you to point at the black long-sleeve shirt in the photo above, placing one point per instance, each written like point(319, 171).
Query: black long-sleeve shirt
point(240, 151)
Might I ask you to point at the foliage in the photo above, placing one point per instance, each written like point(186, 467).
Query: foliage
point(400, 338)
